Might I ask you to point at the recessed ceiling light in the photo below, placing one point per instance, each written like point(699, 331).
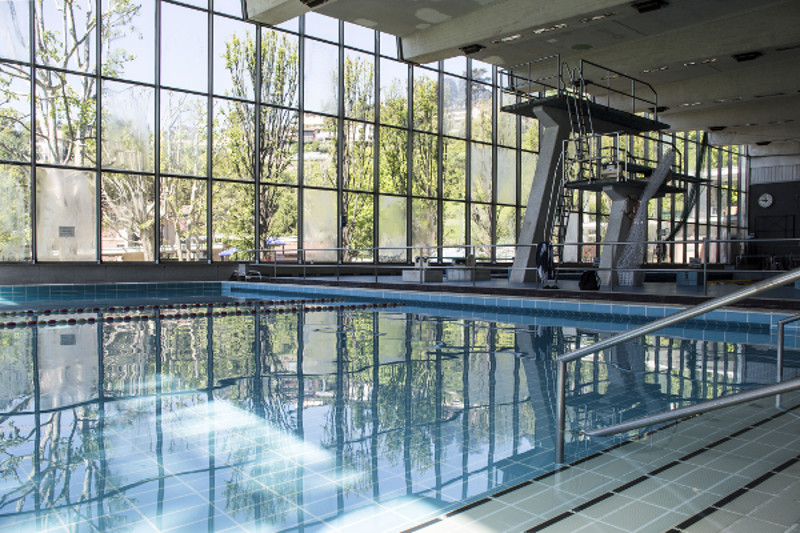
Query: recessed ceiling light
point(598, 17)
point(690, 104)
point(690, 63)
point(508, 39)
point(662, 68)
point(554, 27)
point(709, 60)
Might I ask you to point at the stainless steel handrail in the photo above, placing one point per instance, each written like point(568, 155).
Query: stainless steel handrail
point(671, 320)
point(700, 408)
point(779, 371)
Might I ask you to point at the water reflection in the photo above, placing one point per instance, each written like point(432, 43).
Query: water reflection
point(301, 420)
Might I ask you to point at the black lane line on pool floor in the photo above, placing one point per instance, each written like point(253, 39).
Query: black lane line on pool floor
point(597, 499)
point(722, 502)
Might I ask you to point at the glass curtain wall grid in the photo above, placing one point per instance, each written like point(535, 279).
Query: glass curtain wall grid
point(167, 131)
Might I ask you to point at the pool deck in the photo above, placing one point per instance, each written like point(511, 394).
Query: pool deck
point(784, 299)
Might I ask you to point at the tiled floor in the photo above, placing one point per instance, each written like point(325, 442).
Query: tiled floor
point(731, 470)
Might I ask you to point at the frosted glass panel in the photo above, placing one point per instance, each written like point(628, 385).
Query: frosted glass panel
point(392, 211)
point(319, 224)
point(66, 230)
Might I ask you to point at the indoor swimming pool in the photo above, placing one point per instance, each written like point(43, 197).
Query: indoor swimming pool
point(280, 411)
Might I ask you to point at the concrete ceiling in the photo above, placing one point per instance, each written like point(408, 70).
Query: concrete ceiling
point(686, 49)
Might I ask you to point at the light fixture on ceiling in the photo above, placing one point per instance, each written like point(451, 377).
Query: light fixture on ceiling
point(314, 3)
point(509, 39)
point(554, 27)
point(598, 17)
point(747, 56)
point(689, 104)
point(709, 60)
point(690, 63)
point(472, 48)
point(662, 68)
point(716, 128)
point(645, 6)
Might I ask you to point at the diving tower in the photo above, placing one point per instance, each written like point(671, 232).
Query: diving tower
point(585, 114)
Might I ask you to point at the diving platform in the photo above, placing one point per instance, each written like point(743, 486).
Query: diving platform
point(604, 119)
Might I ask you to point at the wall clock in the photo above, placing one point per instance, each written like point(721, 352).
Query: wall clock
point(765, 200)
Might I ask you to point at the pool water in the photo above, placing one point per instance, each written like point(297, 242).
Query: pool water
point(298, 417)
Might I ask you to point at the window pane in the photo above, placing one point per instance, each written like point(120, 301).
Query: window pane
point(183, 133)
point(319, 156)
point(15, 217)
point(278, 150)
point(481, 228)
point(426, 103)
point(321, 26)
point(280, 74)
point(393, 166)
point(66, 230)
point(506, 176)
point(183, 219)
point(394, 93)
point(184, 48)
point(359, 86)
point(530, 134)
point(481, 172)
point(65, 118)
point(423, 226)
point(506, 232)
point(359, 37)
point(319, 224)
point(321, 77)
point(454, 229)
point(481, 112)
point(357, 158)
point(231, 7)
point(129, 40)
point(234, 132)
point(357, 226)
point(71, 49)
point(278, 219)
point(425, 165)
point(506, 122)
point(455, 107)
point(455, 167)
point(128, 218)
point(456, 65)
point(232, 218)
point(481, 71)
point(388, 45)
point(14, 30)
point(392, 211)
point(128, 127)
point(234, 57)
point(15, 112)
point(528, 169)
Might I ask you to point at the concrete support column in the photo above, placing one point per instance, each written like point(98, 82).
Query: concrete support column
point(543, 192)
point(624, 202)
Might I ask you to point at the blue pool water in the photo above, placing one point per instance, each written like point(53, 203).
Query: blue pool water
point(307, 416)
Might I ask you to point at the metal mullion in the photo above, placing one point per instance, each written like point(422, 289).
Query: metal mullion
point(410, 135)
point(340, 149)
point(301, 103)
point(440, 163)
point(518, 177)
point(495, 177)
point(98, 182)
point(210, 138)
point(468, 158)
point(257, 148)
point(157, 147)
point(34, 155)
point(376, 132)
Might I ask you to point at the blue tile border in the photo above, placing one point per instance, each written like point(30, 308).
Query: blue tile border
point(511, 304)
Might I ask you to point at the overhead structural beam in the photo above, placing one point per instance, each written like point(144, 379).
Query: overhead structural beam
point(761, 28)
point(498, 19)
point(274, 12)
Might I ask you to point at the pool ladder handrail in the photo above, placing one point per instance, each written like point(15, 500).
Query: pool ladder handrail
point(681, 316)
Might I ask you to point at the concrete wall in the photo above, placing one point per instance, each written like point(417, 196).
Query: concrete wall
point(27, 274)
